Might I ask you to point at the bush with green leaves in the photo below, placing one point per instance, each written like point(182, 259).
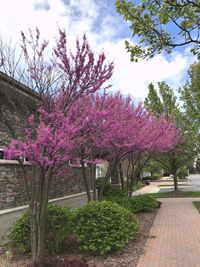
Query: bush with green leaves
point(183, 173)
point(140, 203)
point(155, 176)
point(58, 228)
point(103, 226)
point(143, 203)
point(102, 180)
point(114, 191)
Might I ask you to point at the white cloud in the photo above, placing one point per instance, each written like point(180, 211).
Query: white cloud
point(78, 16)
point(133, 78)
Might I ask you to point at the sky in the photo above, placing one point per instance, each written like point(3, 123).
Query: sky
point(105, 30)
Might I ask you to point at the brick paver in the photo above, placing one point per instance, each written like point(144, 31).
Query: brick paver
point(174, 240)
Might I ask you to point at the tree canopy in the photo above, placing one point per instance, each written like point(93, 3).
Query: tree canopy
point(164, 103)
point(161, 25)
point(190, 93)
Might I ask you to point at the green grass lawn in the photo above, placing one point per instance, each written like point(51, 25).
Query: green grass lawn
point(176, 194)
point(197, 205)
point(167, 185)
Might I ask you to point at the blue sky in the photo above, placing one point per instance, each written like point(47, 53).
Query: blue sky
point(105, 30)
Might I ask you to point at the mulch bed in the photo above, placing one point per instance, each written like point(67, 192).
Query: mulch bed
point(127, 257)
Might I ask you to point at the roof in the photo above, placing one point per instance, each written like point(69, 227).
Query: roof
point(12, 89)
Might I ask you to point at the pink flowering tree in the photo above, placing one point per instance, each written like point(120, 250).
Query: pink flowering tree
point(93, 113)
point(69, 73)
point(131, 131)
point(158, 137)
point(47, 147)
point(116, 130)
point(60, 79)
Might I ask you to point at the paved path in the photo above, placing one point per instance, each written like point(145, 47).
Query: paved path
point(154, 187)
point(174, 240)
point(195, 179)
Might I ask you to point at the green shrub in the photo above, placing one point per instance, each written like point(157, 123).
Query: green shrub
point(103, 226)
point(137, 186)
point(183, 173)
point(155, 176)
point(102, 180)
point(58, 228)
point(143, 203)
point(137, 203)
point(113, 191)
point(20, 233)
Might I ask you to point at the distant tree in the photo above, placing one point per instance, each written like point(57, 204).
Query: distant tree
point(161, 25)
point(184, 152)
point(190, 94)
point(153, 167)
point(197, 165)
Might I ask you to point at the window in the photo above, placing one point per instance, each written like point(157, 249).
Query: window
point(1, 154)
point(98, 171)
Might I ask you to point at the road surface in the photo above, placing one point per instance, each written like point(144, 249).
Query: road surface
point(195, 179)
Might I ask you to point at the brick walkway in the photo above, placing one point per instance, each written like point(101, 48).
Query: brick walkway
point(174, 240)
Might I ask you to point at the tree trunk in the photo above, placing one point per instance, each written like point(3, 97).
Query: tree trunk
point(38, 236)
point(93, 176)
point(131, 185)
point(87, 188)
point(41, 238)
point(121, 174)
point(33, 214)
point(114, 173)
point(34, 230)
point(131, 188)
point(102, 187)
point(127, 175)
point(175, 181)
point(174, 172)
point(38, 208)
point(132, 177)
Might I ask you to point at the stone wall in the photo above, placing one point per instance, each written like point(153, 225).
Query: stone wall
point(12, 190)
point(8, 217)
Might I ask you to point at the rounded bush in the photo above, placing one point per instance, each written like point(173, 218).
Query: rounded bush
point(58, 228)
point(141, 203)
point(103, 226)
point(114, 192)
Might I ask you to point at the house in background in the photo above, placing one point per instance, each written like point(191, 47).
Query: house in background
point(101, 169)
point(17, 101)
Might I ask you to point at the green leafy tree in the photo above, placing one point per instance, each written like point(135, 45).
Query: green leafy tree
point(151, 22)
point(154, 167)
point(197, 165)
point(176, 160)
point(190, 94)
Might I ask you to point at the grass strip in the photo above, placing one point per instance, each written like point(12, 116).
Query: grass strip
point(173, 194)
